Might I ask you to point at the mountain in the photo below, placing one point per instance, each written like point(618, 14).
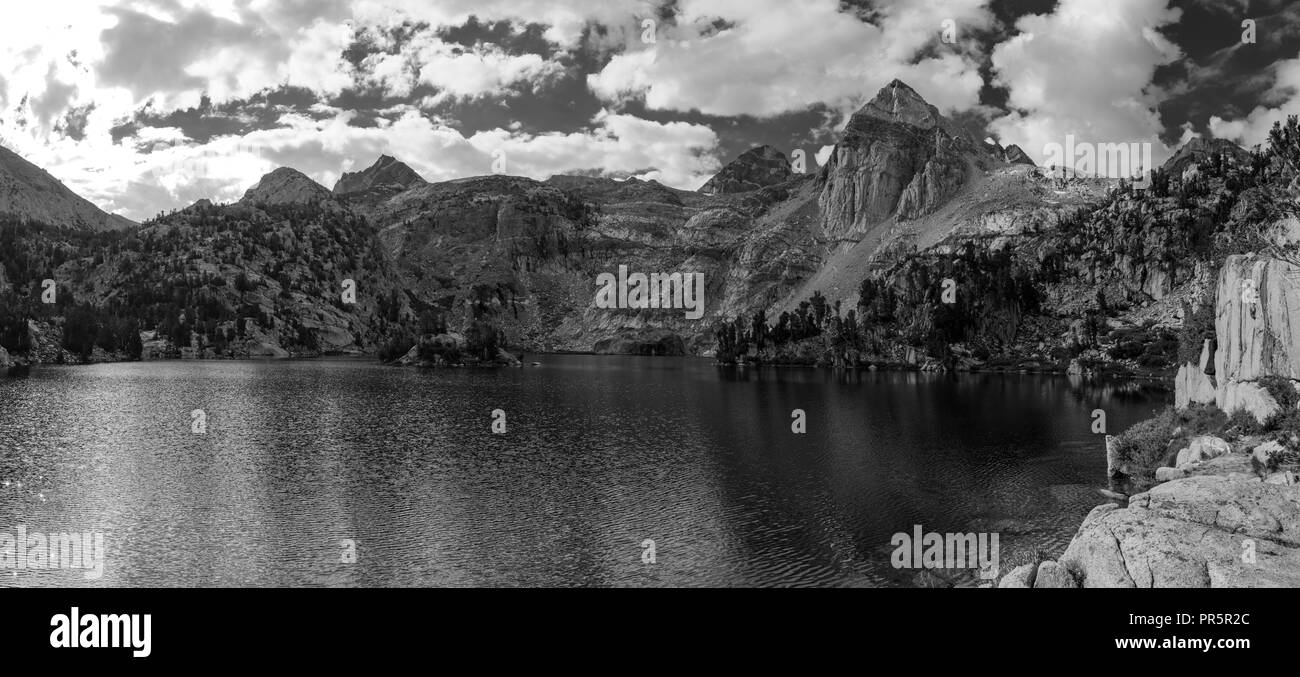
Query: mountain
point(29, 191)
point(386, 174)
point(755, 168)
point(524, 255)
point(1198, 150)
point(909, 206)
point(286, 186)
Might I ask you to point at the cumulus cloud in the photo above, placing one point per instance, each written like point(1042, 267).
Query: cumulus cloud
point(768, 57)
point(456, 72)
point(1281, 100)
point(1084, 70)
point(103, 93)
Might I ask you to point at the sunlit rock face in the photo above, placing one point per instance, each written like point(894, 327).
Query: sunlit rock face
point(1257, 324)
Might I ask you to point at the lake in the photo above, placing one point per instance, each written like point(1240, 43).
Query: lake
point(347, 473)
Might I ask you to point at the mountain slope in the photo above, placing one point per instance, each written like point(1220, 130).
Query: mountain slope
point(29, 191)
point(907, 200)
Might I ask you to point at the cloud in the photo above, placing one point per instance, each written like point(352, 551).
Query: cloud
point(772, 57)
point(175, 60)
point(677, 153)
point(1084, 70)
point(1282, 99)
point(565, 20)
point(456, 72)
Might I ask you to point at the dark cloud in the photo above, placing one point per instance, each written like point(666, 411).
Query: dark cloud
point(73, 123)
point(1222, 76)
point(207, 120)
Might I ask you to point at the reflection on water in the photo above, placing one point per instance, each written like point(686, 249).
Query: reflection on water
point(600, 454)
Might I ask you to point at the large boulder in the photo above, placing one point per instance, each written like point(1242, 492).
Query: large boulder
point(1020, 577)
point(5, 360)
point(1053, 575)
point(1202, 449)
point(266, 349)
point(1196, 532)
point(1249, 508)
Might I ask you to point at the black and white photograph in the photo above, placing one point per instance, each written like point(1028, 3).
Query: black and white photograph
point(904, 295)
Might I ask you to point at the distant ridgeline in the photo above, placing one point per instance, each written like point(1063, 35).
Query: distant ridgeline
point(965, 255)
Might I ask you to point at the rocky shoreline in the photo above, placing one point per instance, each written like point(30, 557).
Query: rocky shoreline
point(1218, 510)
point(1221, 523)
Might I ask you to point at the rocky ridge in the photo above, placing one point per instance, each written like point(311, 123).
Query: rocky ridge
point(387, 174)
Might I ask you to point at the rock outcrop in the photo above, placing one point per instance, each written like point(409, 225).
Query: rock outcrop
point(1205, 531)
point(1228, 514)
point(1193, 384)
point(1257, 325)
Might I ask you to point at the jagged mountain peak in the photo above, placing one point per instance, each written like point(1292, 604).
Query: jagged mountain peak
point(898, 102)
point(387, 171)
point(756, 168)
point(27, 190)
point(286, 186)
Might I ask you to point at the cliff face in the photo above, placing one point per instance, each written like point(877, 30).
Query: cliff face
point(533, 251)
point(1226, 512)
point(1258, 328)
point(899, 158)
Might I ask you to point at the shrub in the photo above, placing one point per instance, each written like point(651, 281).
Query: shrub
point(1243, 422)
point(1201, 419)
point(1281, 390)
point(1143, 446)
point(1126, 350)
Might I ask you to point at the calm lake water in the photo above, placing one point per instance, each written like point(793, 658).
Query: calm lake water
point(600, 454)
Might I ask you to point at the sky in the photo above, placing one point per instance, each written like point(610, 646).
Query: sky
point(143, 106)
